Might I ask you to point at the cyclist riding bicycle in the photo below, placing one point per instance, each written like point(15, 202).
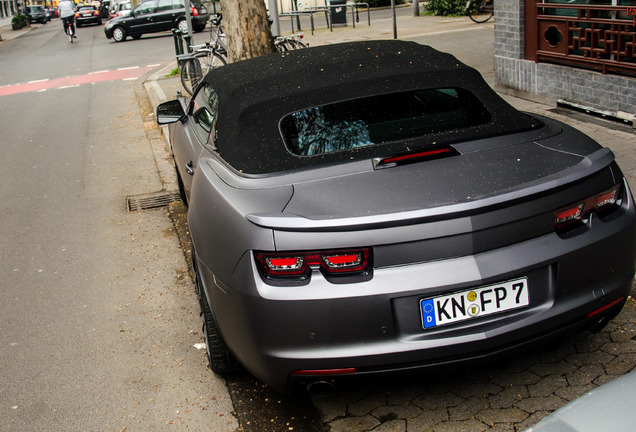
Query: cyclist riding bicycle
point(66, 10)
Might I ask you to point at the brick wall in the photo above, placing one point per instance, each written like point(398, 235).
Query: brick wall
point(547, 82)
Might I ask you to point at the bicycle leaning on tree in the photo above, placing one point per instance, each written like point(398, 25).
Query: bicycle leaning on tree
point(281, 43)
point(204, 57)
point(195, 65)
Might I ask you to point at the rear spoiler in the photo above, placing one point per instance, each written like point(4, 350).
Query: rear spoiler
point(590, 165)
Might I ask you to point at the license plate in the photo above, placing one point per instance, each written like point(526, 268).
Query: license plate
point(473, 303)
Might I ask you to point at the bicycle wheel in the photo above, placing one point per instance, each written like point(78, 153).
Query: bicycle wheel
point(281, 46)
point(296, 44)
point(481, 11)
point(210, 62)
point(191, 74)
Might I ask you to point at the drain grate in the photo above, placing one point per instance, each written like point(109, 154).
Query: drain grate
point(151, 201)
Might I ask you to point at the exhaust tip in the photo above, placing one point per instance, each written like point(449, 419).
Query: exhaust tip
point(321, 388)
point(600, 324)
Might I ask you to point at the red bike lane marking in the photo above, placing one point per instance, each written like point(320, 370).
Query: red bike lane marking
point(72, 81)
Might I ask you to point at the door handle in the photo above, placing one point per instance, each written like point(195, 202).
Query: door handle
point(189, 168)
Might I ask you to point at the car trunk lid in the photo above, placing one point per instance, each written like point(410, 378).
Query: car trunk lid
point(441, 188)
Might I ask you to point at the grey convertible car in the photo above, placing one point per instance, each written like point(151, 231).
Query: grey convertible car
point(375, 207)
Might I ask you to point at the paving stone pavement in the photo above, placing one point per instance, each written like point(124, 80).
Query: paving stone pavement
point(510, 395)
point(516, 392)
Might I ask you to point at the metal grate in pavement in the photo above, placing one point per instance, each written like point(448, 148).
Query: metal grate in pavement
point(150, 201)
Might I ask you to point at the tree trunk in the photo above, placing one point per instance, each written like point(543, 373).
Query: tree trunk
point(246, 29)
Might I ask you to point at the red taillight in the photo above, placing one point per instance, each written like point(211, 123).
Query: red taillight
point(569, 214)
point(607, 198)
point(294, 264)
point(419, 156)
point(314, 372)
point(284, 264)
point(195, 12)
point(577, 212)
point(606, 307)
point(95, 13)
point(77, 14)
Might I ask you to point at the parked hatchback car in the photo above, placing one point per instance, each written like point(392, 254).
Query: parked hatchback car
point(374, 207)
point(154, 16)
point(122, 8)
point(87, 15)
point(36, 13)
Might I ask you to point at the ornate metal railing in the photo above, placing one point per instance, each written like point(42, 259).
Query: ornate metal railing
point(589, 36)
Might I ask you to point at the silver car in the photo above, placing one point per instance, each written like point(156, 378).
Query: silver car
point(375, 207)
point(609, 407)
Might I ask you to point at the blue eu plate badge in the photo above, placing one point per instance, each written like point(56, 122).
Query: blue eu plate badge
point(428, 313)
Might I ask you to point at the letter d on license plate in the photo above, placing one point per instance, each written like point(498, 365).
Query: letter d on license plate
point(474, 303)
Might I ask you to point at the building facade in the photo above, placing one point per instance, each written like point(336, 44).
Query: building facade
point(9, 8)
point(579, 52)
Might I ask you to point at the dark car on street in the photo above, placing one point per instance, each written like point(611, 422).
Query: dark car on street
point(375, 207)
point(36, 13)
point(87, 15)
point(103, 8)
point(152, 16)
point(53, 13)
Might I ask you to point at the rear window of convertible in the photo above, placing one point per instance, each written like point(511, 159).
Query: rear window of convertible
point(379, 119)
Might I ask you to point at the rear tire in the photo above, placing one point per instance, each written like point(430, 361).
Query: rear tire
point(220, 359)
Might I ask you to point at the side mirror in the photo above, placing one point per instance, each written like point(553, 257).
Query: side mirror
point(170, 112)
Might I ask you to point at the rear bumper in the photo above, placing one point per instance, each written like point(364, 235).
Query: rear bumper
point(91, 20)
point(474, 357)
point(376, 326)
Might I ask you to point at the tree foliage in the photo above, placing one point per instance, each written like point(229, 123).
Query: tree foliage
point(247, 30)
point(446, 7)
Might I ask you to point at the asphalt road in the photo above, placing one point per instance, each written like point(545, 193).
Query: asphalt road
point(98, 325)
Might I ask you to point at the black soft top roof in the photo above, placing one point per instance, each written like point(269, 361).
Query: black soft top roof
point(254, 95)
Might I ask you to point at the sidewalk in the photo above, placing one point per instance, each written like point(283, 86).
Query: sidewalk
point(7, 33)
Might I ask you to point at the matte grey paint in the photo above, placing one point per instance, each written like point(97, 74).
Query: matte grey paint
point(441, 226)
